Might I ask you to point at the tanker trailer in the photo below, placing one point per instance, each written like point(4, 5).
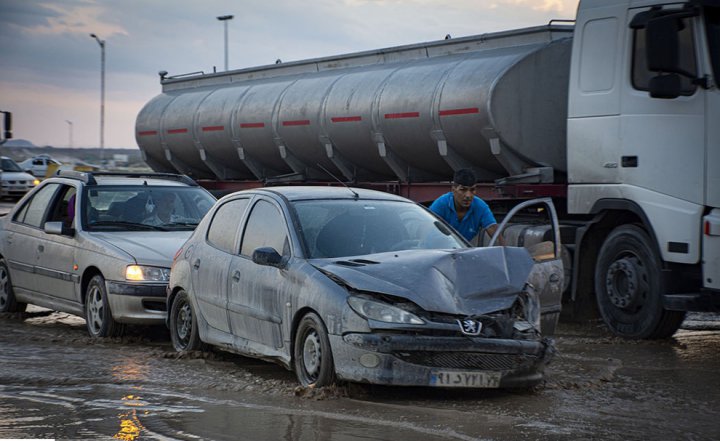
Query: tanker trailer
point(613, 117)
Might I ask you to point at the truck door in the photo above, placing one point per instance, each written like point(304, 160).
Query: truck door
point(534, 225)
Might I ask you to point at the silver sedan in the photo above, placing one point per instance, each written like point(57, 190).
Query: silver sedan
point(363, 286)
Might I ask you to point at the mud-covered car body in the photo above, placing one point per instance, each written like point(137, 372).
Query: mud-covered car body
point(78, 244)
point(369, 285)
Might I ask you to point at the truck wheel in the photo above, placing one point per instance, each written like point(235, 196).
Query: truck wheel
point(313, 360)
point(98, 316)
point(629, 287)
point(7, 296)
point(183, 325)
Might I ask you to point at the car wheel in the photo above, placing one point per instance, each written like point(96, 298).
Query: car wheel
point(7, 296)
point(183, 325)
point(98, 316)
point(313, 360)
point(629, 286)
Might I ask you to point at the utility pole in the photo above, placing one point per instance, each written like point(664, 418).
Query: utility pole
point(225, 19)
point(102, 95)
point(70, 133)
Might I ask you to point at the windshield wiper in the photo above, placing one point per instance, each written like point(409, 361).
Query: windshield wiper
point(128, 225)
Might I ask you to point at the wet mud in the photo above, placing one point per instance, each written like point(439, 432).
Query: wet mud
point(56, 382)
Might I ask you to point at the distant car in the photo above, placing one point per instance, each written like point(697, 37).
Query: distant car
point(14, 182)
point(364, 286)
point(89, 244)
point(38, 165)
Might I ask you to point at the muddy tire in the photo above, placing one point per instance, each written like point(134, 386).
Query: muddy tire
point(312, 357)
point(98, 316)
point(629, 286)
point(183, 325)
point(7, 295)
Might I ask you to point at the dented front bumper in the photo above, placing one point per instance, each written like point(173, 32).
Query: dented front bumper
point(411, 360)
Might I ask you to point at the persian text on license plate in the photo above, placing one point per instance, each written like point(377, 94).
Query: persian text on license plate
point(465, 379)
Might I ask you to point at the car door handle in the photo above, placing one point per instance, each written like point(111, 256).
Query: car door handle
point(196, 264)
point(236, 276)
point(41, 248)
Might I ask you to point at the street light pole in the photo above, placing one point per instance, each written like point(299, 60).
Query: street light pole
point(70, 130)
point(102, 94)
point(224, 19)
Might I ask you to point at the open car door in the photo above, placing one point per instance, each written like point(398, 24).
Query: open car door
point(534, 226)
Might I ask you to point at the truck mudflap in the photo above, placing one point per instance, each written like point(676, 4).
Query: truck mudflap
point(707, 300)
point(404, 360)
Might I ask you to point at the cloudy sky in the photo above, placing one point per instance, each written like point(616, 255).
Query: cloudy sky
point(50, 66)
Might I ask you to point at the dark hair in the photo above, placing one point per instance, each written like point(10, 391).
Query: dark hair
point(464, 177)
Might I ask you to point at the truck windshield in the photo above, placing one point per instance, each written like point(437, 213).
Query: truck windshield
point(341, 228)
point(712, 24)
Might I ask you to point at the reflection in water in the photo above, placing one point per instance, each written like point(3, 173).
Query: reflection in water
point(130, 369)
point(130, 425)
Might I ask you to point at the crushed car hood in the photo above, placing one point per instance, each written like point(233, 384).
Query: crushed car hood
point(147, 247)
point(469, 281)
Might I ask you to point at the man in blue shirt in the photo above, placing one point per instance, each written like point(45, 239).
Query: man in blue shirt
point(464, 211)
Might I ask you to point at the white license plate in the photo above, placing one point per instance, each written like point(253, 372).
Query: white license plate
point(465, 379)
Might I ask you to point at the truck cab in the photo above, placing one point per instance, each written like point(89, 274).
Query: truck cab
point(644, 160)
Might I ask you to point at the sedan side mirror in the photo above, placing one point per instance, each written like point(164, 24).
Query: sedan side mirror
point(268, 256)
point(58, 228)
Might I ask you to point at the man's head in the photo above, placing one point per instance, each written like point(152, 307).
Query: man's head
point(463, 187)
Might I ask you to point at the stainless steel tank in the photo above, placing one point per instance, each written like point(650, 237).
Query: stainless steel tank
point(496, 103)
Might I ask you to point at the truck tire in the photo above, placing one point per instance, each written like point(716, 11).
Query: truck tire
point(629, 286)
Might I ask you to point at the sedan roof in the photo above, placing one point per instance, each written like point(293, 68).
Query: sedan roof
point(299, 193)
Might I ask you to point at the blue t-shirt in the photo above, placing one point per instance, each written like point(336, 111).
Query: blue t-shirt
point(478, 216)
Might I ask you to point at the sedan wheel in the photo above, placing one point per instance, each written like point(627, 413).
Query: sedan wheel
point(7, 296)
point(183, 325)
point(313, 360)
point(98, 316)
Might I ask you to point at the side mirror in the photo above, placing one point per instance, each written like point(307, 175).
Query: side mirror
point(58, 228)
point(663, 44)
point(268, 256)
point(665, 86)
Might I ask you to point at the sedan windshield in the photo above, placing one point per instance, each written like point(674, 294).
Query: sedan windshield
point(9, 165)
point(112, 208)
point(341, 228)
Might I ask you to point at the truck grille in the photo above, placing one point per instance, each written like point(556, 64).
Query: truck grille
point(468, 360)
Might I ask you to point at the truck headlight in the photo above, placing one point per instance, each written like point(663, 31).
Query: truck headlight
point(382, 312)
point(139, 273)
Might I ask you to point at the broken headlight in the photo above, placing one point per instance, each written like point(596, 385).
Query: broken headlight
point(528, 316)
point(382, 312)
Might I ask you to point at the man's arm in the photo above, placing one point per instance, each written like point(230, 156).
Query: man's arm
point(491, 231)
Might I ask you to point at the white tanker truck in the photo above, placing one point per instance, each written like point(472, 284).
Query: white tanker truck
point(616, 117)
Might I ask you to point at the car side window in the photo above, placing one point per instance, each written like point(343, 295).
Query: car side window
point(64, 208)
point(33, 212)
point(265, 228)
point(224, 223)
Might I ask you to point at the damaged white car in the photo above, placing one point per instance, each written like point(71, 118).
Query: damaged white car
point(363, 286)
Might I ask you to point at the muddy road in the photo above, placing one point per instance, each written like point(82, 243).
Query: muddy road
point(55, 382)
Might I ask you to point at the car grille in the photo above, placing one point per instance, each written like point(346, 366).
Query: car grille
point(468, 360)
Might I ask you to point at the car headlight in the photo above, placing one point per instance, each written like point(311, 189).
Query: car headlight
point(139, 273)
point(36, 182)
point(382, 312)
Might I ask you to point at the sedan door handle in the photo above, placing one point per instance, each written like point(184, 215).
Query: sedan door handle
point(196, 264)
point(41, 248)
point(236, 276)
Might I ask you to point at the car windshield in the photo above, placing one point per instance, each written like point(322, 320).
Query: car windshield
point(341, 228)
point(9, 165)
point(138, 207)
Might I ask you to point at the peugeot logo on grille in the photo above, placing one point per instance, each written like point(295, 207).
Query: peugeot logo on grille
point(470, 327)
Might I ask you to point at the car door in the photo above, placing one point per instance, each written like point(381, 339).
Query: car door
point(56, 254)
point(534, 225)
point(24, 239)
point(257, 293)
point(211, 260)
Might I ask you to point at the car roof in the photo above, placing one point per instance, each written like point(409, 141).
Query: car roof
point(307, 192)
point(118, 178)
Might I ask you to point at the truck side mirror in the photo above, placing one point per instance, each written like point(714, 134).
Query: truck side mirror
point(665, 86)
point(663, 44)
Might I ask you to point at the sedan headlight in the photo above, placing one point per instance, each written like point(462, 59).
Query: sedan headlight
point(139, 273)
point(382, 312)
